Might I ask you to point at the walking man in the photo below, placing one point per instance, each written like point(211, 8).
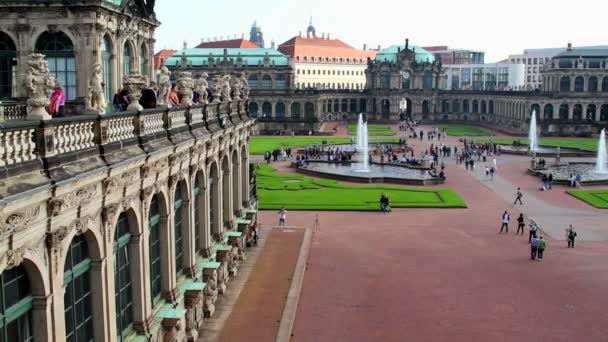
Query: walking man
point(533, 248)
point(505, 222)
point(519, 196)
point(542, 244)
point(570, 235)
point(520, 224)
point(282, 217)
point(533, 229)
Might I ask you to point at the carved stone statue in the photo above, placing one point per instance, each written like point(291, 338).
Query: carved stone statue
point(204, 85)
point(135, 83)
point(164, 83)
point(96, 102)
point(244, 86)
point(185, 85)
point(226, 88)
point(236, 87)
point(216, 90)
point(38, 82)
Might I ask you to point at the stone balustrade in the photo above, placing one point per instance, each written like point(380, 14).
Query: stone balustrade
point(22, 141)
point(12, 111)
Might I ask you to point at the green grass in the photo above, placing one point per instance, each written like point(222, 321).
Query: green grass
point(297, 192)
point(465, 130)
point(260, 144)
point(374, 130)
point(580, 143)
point(596, 198)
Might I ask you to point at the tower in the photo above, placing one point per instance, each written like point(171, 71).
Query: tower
point(256, 36)
point(311, 32)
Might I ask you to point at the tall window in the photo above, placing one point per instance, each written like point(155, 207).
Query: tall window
point(8, 55)
point(281, 82)
point(154, 245)
point(123, 294)
point(106, 65)
point(77, 298)
point(143, 60)
point(59, 52)
point(127, 60)
point(253, 81)
point(427, 80)
point(16, 300)
point(179, 250)
point(266, 82)
point(564, 84)
point(197, 214)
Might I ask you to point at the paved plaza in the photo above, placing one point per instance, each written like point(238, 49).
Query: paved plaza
point(448, 275)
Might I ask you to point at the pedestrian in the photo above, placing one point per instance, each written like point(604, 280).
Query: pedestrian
point(550, 181)
point(487, 172)
point(519, 196)
point(57, 102)
point(533, 230)
point(570, 236)
point(505, 222)
point(542, 244)
point(533, 248)
point(492, 172)
point(282, 217)
point(384, 203)
point(520, 224)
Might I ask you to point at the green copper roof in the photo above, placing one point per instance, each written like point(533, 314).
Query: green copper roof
point(252, 57)
point(390, 54)
point(584, 52)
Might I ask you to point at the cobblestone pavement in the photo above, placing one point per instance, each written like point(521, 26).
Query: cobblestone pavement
point(448, 275)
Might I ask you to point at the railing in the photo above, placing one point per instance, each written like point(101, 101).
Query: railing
point(22, 141)
point(12, 111)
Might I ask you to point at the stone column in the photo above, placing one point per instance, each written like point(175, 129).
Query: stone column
point(142, 307)
point(41, 314)
point(100, 308)
point(226, 190)
point(189, 255)
point(570, 112)
point(245, 180)
point(167, 258)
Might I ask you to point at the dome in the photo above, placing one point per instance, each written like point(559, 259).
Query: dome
point(390, 54)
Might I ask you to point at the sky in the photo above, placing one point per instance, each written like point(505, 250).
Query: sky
point(499, 28)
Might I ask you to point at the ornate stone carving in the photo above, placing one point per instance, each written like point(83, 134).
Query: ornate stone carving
point(134, 83)
point(154, 168)
point(120, 181)
point(38, 82)
point(226, 88)
point(165, 87)
point(14, 257)
point(96, 102)
point(184, 87)
point(236, 87)
point(244, 86)
point(201, 86)
point(19, 220)
point(71, 200)
point(210, 292)
point(216, 90)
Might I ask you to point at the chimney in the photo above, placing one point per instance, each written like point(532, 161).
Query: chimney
point(300, 34)
point(379, 47)
point(569, 46)
point(364, 47)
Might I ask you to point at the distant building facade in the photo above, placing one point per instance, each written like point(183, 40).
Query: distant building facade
point(325, 63)
point(449, 56)
point(256, 35)
point(496, 76)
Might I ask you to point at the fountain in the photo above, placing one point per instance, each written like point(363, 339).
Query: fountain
point(360, 133)
point(600, 165)
point(532, 135)
point(362, 146)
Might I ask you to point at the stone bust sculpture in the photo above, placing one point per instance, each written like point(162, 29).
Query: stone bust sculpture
point(38, 82)
point(96, 102)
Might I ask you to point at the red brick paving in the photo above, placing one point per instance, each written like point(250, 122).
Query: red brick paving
point(257, 313)
point(446, 275)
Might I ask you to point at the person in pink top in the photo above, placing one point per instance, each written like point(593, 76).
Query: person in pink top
point(57, 101)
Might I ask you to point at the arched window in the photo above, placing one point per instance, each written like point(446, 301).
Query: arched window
point(337, 106)
point(281, 82)
point(475, 107)
point(425, 107)
point(577, 112)
point(59, 52)
point(385, 80)
point(564, 84)
point(106, 66)
point(309, 111)
point(16, 303)
point(427, 80)
point(591, 112)
point(405, 80)
point(253, 109)
point(266, 110)
point(491, 107)
point(127, 59)
point(178, 224)
point(605, 84)
point(535, 108)
point(362, 106)
point(266, 82)
point(563, 111)
point(483, 107)
point(123, 292)
point(548, 114)
point(78, 306)
point(386, 107)
point(154, 246)
point(198, 210)
point(295, 110)
point(253, 81)
point(455, 106)
point(465, 106)
point(344, 106)
point(8, 55)
point(445, 106)
point(280, 111)
point(593, 84)
point(353, 106)
point(604, 112)
point(579, 84)
point(143, 60)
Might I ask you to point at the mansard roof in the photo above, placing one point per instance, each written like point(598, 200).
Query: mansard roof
point(250, 57)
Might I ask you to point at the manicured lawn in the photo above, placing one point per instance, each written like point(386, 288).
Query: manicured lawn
point(261, 144)
point(297, 192)
point(465, 131)
point(580, 143)
point(374, 130)
point(596, 198)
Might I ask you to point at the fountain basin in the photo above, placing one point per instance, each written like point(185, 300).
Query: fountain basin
point(384, 173)
point(546, 151)
point(562, 172)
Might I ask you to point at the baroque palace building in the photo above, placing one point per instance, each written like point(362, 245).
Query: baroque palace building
point(113, 226)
